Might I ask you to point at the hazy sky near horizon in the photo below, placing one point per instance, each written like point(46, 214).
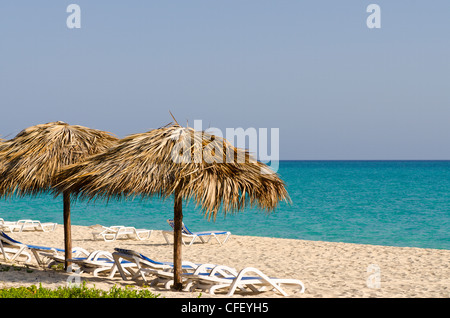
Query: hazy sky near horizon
point(335, 88)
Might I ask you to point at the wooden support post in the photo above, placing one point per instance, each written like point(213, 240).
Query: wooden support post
point(67, 230)
point(178, 221)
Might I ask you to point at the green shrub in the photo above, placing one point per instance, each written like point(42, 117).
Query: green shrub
point(80, 291)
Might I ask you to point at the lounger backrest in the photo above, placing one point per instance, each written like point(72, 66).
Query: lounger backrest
point(150, 260)
point(134, 253)
point(5, 238)
point(8, 240)
point(184, 228)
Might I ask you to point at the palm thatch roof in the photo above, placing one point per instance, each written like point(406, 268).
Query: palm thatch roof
point(200, 166)
point(32, 159)
point(2, 144)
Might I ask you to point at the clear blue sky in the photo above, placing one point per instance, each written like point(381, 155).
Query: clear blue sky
point(335, 88)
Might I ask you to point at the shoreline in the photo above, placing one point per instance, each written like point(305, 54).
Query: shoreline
point(327, 269)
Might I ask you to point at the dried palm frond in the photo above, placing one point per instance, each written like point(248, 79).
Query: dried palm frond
point(2, 144)
point(200, 166)
point(31, 160)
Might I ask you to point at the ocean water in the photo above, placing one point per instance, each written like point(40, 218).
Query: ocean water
point(393, 203)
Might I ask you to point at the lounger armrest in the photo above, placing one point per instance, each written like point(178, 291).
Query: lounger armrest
point(79, 251)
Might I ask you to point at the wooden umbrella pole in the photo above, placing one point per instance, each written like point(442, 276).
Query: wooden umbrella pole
point(67, 230)
point(178, 221)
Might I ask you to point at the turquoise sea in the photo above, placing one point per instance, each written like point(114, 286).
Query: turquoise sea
point(395, 203)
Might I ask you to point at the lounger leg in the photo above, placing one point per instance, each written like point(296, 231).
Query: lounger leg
point(233, 287)
point(226, 238)
point(137, 236)
point(192, 241)
point(108, 240)
point(168, 284)
point(165, 237)
point(213, 288)
point(142, 275)
point(145, 236)
point(189, 285)
point(119, 267)
point(113, 271)
point(224, 241)
point(139, 271)
point(37, 257)
point(264, 277)
point(254, 289)
point(20, 252)
point(3, 252)
point(215, 236)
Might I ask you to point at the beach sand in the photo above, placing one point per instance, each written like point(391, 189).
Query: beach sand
point(336, 270)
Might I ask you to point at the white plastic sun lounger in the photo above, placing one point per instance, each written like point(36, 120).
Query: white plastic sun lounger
point(12, 244)
point(78, 257)
point(9, 226)
point(22, 225)
point(166, 276)
point(36, 225)
point(144, 265)
point(100, 262)
point(241, 280)
point(160, 272)
point(112, 233)
point(204, 236)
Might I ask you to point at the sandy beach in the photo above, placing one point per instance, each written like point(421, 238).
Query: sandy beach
point(336, 270)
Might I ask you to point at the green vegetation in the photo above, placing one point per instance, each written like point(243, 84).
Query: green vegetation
point(15, 268)
point(80, 291)
point(71, 291)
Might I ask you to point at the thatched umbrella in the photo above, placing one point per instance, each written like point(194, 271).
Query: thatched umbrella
point(178, 161)
point(31, 160)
